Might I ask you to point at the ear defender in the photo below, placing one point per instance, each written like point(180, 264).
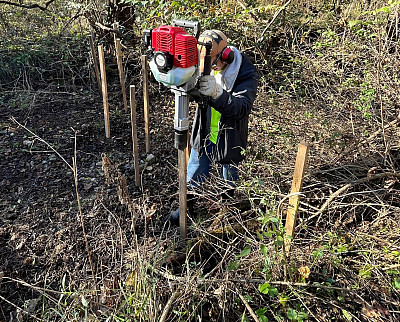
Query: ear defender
point(227, 55)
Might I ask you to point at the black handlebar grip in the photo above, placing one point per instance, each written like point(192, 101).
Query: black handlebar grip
point(207, 65)
point(188, 24)
point(207, 60)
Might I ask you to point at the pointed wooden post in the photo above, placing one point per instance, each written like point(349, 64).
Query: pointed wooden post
point(294, 199)
point(104, 91)
point(134, 135)
point(146, 102)
point(95, 62)
point(121, 72)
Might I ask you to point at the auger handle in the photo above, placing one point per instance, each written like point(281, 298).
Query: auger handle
point(188, 24)
point(207, 60)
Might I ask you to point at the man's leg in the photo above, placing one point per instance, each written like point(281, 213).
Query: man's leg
point(198, 170)
point(229, 172)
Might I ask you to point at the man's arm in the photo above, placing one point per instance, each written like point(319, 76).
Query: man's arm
point(237, 103)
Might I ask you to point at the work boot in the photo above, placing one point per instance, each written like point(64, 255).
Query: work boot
point(173, 217)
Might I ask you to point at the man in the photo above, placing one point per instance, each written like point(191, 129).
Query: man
point(220, 127)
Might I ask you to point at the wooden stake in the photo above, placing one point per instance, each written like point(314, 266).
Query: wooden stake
point(104, 91)
point(95, 62)
point(294, 199)
point(182, 193)
point(146, 102)
point(188, 149)
point(115, 27)
point(134, 135)
point(121, 71)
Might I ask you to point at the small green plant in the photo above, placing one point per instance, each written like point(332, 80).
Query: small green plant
point(235, 264)
point(294, 315)
point(366, 98)
point(365, 271)
point(396, 283)
point(328, 39)
point(261, 314)
point(272, 227)
point(308, 114)
point(268, 289)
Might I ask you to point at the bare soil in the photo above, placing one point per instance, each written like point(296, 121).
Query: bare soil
point(42, 243)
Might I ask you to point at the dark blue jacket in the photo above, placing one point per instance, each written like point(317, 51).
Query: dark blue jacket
point(235, 108)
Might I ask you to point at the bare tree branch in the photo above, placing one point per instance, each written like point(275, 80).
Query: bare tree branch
point(28, 6)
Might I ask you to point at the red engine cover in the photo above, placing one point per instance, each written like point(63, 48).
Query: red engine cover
point(176, 42)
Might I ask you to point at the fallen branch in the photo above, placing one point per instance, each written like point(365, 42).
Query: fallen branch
point(370, 138)
point(351, 184)
point(182, 279)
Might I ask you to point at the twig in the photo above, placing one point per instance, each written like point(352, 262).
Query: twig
point(43, 291)
point(220, 263)
point(275, 16)
point(20, 309)
point(95, 62)
point(74, 170)
point(28, 6)
point(248, 306)
point(168, 305)
point(244, 6)
point(302, 302)
point(146, 102)
point(172, 277)
point(81, 217)
point(347, 186)
point(391, 267)
point(327, 302)
point(37, 288)
point(373, 135)
point(379, 90)
point(369, 138)
point(120, 34)
point(41, 140)
point(121, 72)
point(379, 240)
point(135, 148)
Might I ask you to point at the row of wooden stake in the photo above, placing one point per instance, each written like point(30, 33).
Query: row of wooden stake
point(302, 154)
point(102, 84)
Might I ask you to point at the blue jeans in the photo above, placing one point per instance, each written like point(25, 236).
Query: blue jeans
point(198, 168)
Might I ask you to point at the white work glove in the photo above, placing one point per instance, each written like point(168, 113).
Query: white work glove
point(209, 87)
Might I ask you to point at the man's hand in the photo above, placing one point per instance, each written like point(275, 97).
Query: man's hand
point(209, 87)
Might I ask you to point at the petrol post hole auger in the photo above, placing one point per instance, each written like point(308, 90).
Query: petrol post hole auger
point(174, 62)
